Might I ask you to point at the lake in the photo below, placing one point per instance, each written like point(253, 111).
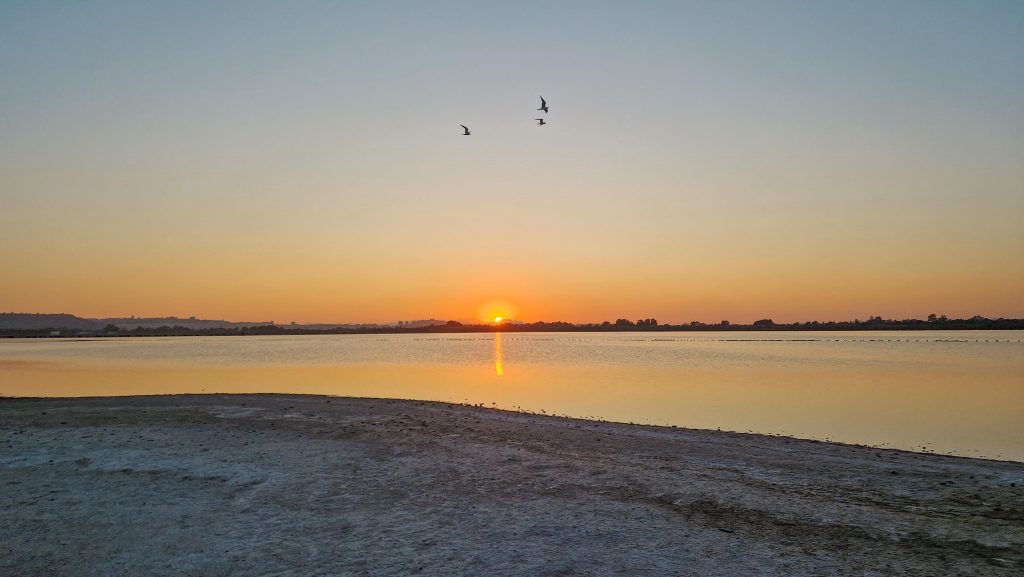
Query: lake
point(952, 392)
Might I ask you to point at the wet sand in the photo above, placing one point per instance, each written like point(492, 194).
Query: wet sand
point(281, 485)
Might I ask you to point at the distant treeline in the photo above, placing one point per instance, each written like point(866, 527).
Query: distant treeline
point(933, 322)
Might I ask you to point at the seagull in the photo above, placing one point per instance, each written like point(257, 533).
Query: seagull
point(543, 105)
point(540, 121)
point(466, 133)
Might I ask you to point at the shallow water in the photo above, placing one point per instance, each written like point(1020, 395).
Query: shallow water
point(950, 392)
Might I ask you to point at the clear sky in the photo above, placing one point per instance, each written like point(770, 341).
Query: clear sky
point(702, 161)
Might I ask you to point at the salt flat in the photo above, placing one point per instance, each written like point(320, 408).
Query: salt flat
point(211, 485)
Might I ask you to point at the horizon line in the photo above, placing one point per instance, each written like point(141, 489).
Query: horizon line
point(479, 322)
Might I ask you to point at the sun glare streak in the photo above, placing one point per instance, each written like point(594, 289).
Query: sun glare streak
point(499, 357)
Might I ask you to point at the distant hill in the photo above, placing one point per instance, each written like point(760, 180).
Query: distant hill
point(33, 322)
point(190, 323)
point(30, 321)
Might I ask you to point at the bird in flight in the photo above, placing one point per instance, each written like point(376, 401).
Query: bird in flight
point(466, 133)
point(540, 121)
point(543, 105)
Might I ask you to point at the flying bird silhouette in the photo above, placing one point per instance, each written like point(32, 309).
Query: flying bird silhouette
point(466, 133)
point(543, 105)
point(540, 121)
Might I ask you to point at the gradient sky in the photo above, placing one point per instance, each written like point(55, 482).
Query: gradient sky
point(703, 161)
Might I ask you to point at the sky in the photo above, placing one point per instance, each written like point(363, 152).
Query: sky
point(303, 161)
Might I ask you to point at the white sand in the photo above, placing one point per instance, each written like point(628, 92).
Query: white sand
point(254, 485)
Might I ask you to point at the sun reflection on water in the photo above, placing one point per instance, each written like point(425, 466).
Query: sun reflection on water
point(499, 360)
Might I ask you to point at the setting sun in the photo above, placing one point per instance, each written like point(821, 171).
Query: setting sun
point(496, 310)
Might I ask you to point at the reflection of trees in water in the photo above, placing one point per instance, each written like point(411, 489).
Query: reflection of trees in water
point(499, 358)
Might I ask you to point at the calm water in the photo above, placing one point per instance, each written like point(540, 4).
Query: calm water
point(950, 392)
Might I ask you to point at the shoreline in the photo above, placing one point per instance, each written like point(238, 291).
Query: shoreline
point(276, 484)
point(524, 412)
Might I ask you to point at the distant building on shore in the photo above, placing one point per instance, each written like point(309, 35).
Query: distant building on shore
point(419, 324)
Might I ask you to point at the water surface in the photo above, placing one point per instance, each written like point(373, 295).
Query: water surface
point(950, 392)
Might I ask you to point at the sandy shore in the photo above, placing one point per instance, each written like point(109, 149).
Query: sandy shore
point(279, 485)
